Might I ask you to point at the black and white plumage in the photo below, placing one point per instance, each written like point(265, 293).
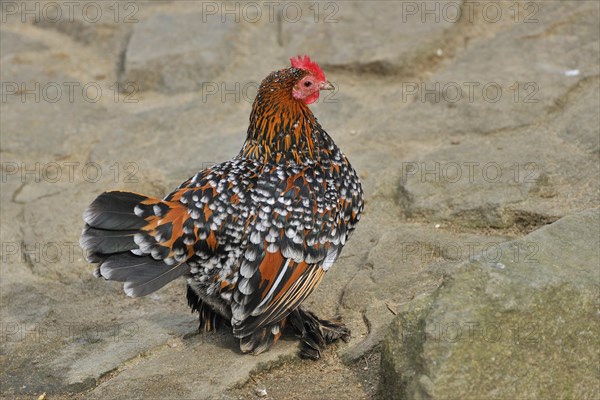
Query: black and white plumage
point(253, 236)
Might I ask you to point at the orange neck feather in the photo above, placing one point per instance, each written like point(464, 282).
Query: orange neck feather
point(282, 129)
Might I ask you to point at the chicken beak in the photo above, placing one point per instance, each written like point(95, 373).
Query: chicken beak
point(326, 86)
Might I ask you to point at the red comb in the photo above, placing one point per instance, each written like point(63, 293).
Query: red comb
point(311, 66)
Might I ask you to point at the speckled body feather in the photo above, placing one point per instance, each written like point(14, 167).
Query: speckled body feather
point(253, 236)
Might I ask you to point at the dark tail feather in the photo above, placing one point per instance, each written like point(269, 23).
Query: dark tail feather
point(112, 221)
point(101, 241)
point(142, 274)
point(115, 211)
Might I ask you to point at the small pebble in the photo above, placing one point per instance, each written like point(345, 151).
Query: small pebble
point(260, 392)
point(571, 72)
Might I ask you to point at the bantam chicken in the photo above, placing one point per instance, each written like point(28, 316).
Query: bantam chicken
point(252, 236)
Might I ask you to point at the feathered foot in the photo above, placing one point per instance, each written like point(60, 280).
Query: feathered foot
point(261, 340)
point(210, 321)
point(316, 333)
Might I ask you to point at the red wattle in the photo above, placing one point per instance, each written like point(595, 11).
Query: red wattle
point(312, 98)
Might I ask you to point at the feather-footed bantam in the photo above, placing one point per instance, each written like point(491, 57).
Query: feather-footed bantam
point(252, 236)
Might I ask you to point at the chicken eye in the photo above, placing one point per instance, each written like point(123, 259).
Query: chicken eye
point(308, 84)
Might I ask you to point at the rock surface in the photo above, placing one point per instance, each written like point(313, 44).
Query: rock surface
point(323, 29)
point(71, 128)
point(165, 54)
point(524, 325)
